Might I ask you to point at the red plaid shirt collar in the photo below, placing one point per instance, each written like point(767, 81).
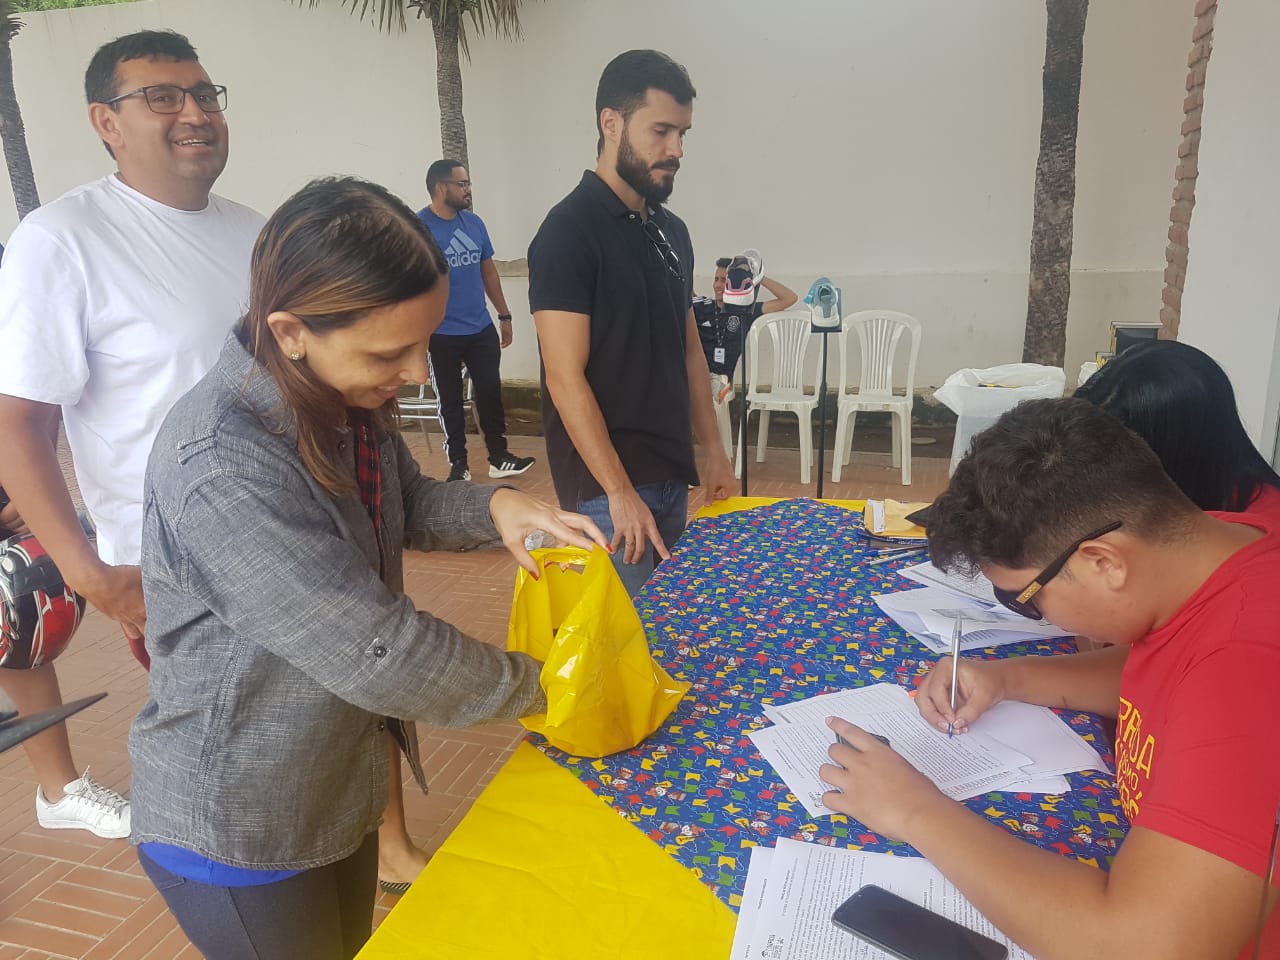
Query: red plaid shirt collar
point(368, 471)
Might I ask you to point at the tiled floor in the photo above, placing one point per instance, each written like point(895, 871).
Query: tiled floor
point(68, 894)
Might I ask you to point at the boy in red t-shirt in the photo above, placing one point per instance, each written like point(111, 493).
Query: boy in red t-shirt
point(1071, 517)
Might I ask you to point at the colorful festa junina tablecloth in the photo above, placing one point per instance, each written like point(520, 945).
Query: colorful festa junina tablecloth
point(771, 605)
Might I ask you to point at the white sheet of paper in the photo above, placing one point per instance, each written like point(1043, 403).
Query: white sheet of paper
point(1034, 731)
point(877, 515)
point(875, 698)
point(1042, 735)
point(754, 897)
point(961, 767)
point(806, 882)
point(1056, 786)
point(929, 614)
point(976, 587)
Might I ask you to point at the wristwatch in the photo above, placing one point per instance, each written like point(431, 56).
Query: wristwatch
point(504, 318)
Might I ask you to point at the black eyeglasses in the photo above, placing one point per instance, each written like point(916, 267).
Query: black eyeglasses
point(171, 98)
point(666, 253)
point(1019, 601)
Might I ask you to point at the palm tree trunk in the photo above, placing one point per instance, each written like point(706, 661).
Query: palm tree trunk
point(453, 128)
point(1045, 339)
point(13, 133)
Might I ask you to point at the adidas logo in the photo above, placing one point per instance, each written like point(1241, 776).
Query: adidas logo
point(462, 250)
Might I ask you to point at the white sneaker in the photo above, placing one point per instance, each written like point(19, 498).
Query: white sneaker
point(85, 805)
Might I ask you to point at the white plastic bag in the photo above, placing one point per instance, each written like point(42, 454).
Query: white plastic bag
point(978, 397)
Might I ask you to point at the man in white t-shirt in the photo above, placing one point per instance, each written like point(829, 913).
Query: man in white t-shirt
point(114, 300)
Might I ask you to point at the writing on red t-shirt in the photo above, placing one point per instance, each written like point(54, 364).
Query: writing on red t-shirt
point(1197, 746)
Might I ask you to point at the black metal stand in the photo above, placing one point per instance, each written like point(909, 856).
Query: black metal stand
point(746, 404)
point(822, 414)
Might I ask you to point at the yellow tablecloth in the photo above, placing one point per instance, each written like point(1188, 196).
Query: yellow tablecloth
point(541, 869)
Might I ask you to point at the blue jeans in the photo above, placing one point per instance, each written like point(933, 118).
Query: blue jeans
point(668, 500)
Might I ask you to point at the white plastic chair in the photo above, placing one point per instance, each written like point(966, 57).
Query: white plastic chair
point(879, 334)
point(790, 391)
point(723, 420)
point(423, 407)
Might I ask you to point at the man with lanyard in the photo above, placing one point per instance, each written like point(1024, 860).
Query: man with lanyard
point(625, 384)
point(724, 330)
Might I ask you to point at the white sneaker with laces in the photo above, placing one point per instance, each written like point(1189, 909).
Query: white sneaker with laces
point(509, 466)
point(85, 805)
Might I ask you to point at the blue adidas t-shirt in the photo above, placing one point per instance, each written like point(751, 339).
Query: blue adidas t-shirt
point(465, 243)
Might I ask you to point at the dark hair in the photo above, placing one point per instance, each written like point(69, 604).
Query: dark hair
point(441, 170)
point(1049, 472)
point(723, 263)
point(1178, 400)
point(628, 78)
point(335, 250)
point(100, 82)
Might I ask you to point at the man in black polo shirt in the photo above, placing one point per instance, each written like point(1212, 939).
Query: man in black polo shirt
point(624, 381)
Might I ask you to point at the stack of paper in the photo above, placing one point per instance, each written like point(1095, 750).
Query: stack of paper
point(976, 587)
point(929, 614)
point(793, 890)
point(1014, 746)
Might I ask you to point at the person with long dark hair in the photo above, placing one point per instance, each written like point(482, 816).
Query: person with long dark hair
point(279, 500)
point(1180, 401)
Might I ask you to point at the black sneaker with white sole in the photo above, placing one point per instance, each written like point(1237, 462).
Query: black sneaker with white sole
point(509, 466)
point(459, 471)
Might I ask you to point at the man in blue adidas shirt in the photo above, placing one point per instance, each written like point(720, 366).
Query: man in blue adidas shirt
point(467, 336)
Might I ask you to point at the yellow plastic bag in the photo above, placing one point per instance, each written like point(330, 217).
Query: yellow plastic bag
point(605, 693)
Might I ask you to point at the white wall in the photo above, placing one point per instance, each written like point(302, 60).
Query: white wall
point(1231, 300)
point(890, 146)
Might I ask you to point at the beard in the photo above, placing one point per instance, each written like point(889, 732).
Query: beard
point(460, 205)
point(639, 176)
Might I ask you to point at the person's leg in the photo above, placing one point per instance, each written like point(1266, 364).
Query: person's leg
point(445, 362)
point(671, 511)
point(65, 798)
point(483, 357)
point(49, 752)
point(632, 575)
point(321, 914)
point(356, 879)
point(399, 861)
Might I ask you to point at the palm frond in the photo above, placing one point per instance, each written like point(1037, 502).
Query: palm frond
point(500, 17)
point(10, 25)
point(387, 13)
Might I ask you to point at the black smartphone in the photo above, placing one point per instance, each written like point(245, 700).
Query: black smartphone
point(910, 932)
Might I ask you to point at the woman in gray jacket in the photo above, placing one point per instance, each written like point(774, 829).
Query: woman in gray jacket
point(279, 499)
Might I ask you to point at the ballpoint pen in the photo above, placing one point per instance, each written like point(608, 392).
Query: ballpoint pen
point(956, 631)
point(895, 555)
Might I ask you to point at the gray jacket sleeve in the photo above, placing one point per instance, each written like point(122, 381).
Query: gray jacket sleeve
point(292, 584)
point(439, 515)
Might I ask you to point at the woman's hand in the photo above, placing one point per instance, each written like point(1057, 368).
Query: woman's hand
point(979, 687)
point(516, 515)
